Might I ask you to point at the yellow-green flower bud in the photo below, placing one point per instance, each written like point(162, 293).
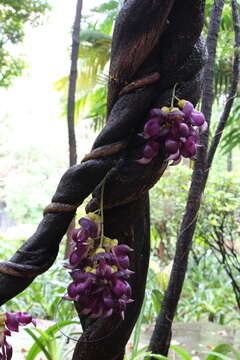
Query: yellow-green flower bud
point(165, 110)
point(90, 242)
point(174, 109)
point(114, 268)
point(181, 103)
point(106, 241)
point(114, 242)
point(88, 269)
point(100, 251)
point(94, 217)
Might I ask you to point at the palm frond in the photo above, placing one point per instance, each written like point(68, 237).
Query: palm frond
point(231, 138)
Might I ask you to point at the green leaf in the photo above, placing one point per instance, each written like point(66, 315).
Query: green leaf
point(180, 351)
point(41, 342)
point(137, 331)
point(220, 351)
point(156, 356)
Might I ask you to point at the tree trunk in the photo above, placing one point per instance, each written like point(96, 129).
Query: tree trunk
point(71, 106)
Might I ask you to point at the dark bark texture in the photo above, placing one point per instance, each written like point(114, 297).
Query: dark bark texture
point(156, 43)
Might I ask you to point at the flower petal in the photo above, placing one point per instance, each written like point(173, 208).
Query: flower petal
point(12, 322)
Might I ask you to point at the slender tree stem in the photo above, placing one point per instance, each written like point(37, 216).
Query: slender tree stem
point(71, 105)
point(72, 84)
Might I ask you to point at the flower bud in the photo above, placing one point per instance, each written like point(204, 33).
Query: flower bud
point(186, 106)
point(176, 115)
point(171, 146)
point(119, 287)
point(165, 110)
point(151, 149)
point(183, 130)
point(89, 225)
point(156, 112)
point(11, 321)
point(74, 259)
point(197, 118)
point(151, 128)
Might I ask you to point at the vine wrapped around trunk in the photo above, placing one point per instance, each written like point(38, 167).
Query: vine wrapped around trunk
point(156, 44)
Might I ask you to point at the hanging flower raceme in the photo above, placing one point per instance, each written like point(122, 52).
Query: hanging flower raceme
point(11, 322)
point(99, 270)
point(175, 128)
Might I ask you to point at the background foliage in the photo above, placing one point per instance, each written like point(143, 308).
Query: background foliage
point(14, 15)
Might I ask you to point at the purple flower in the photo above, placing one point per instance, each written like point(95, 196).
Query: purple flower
point(171, 146)
point(122, 249)
point(74, 259)
point(173, 128)
point(90, 226)
point(100, 268)
point(189, 148)
point(82, 250)
point(204, 126)
point(120, 287)
point(197, 118)
point(78, 287)
point(176, 115)
point(24, 318)
point(11, 322)
point(151, 128)
point(187, 107)
point(183, 130)
point(103, 270)
point(78, 275)
point(156, 112)
point(151, 149)
point(164, 132)
point(6, 349)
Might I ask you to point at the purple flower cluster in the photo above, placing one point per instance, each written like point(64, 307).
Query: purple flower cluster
point(11, 322)
point(176, 129)
point(99, 271)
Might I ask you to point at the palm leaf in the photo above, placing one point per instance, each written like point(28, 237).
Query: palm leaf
point(40, 343)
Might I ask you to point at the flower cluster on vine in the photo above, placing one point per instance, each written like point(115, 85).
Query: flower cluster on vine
point(99, 270)
point(176, 128)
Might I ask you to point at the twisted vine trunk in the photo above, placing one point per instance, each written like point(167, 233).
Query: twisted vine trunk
point(156, 44)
